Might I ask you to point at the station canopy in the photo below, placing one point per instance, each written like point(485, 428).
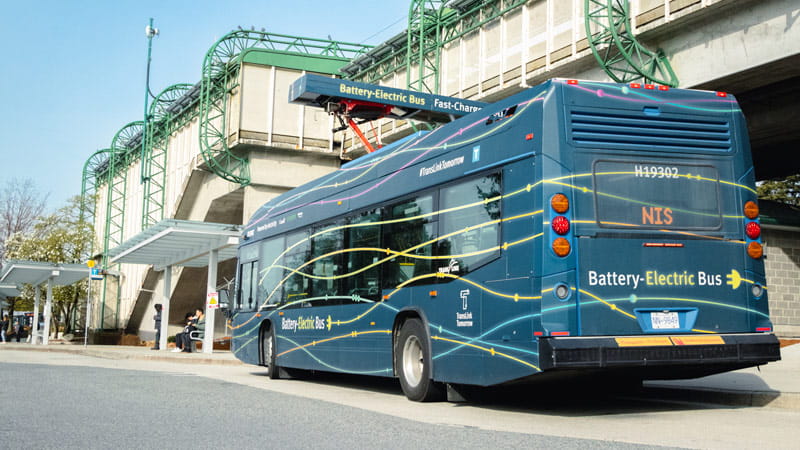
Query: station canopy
point(17, 273)
point(8, 290)
point(174, 242)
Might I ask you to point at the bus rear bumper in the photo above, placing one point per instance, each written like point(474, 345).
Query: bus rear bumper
point(678, 356)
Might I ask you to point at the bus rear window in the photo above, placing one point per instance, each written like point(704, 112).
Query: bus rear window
point(656, 195)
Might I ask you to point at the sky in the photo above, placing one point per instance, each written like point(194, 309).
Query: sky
point(73, 72)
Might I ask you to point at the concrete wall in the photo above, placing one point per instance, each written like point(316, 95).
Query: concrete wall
point(783, 279)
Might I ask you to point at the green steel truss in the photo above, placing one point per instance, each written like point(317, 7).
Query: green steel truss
point(124, 148)
point(93, 172)
point(154, 165)
point(431, 26)
point(423, 43)
point(624, 59)
point(220, 78)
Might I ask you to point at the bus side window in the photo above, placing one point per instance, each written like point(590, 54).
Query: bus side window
point(248, 257)
point(469, 249)
point(296, 288)
point(364, 240)
point(414, 234)
point(270, 272)
point(326, 254)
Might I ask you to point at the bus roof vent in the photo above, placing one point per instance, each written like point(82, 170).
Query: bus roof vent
point(628, 130)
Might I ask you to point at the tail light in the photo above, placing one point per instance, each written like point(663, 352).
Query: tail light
point(561, 247)
point(559, 203)
point(560, 225)
point(754, 250)
point(752, 230)
point(751, 210)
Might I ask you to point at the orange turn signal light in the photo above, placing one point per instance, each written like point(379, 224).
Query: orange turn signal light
point(751, 210)
point(754, 250)
point(559, 203)
point(561, 247)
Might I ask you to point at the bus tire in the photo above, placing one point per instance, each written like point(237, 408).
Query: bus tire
point(413, 363)
point(268, 353)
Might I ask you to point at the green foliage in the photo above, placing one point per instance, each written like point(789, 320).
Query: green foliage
point(61, 237)
point(786, 190)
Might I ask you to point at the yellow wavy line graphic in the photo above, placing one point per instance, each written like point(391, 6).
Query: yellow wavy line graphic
point(491, 351)
point(353, 334)
point(516, 297)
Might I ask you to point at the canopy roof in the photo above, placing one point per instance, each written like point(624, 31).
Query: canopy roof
point(7, 290)
point(32, 272)
point(178, 243)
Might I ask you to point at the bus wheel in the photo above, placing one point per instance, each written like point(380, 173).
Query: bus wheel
point(413, 362)
point(268, 353)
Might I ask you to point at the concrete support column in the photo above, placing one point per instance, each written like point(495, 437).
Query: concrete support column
point(167, 292)
point(37, 295)
point(48, 308)
point(211, 286)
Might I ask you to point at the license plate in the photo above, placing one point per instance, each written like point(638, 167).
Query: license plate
point(664, 320)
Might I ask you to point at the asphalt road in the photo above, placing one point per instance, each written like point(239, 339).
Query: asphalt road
point(89, 407)
point(56, 400)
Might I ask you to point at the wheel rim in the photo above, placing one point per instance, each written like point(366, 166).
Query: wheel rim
point(413, 361)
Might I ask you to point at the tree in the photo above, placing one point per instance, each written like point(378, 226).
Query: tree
point(61, 237)
point(786, 190)
point(20, 206)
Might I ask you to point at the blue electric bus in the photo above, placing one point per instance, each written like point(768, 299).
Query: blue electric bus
point(574, 227)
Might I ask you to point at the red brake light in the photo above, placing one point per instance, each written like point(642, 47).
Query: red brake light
point(663, 88)
point(752, 230)
point(722, 94)
point(649, 86)
point(572, 81)
point(560, 225)
point(636, 85)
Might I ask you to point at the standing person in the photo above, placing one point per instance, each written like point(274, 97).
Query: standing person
point(18, 328)
point(4, 327)
point(157, 320)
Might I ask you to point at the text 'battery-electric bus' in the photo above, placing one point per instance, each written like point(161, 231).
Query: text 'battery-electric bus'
point(576, 226)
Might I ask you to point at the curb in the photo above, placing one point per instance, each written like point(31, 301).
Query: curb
point(771, 399)
point(176, 358)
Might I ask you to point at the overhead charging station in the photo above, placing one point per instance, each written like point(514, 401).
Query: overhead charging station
point(354, 103)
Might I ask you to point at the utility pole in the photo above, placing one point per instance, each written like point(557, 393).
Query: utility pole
point(150, 32)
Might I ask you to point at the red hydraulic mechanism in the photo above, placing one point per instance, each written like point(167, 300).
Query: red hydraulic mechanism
point(346, 109)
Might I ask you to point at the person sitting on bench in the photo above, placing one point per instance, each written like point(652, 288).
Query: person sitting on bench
point(200, 326)
point(182, 339)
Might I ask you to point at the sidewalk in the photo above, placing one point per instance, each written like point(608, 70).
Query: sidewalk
point(129, 352)
point(776, 384)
